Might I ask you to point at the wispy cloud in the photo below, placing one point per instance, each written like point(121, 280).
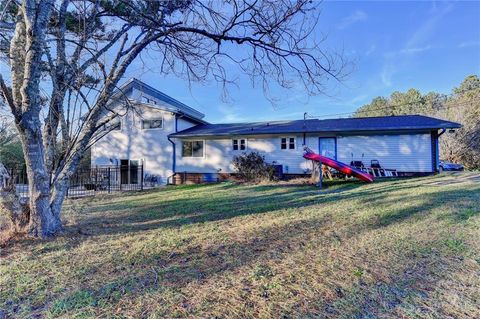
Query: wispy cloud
point(415, 50)
point(353, 18)
point(387, 73)
point(372, 49)
point(417, 43)
point(468, 44)
point(230, 114)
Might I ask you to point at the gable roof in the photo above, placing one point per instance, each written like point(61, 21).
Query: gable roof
point(363, 124)
point(171, 104)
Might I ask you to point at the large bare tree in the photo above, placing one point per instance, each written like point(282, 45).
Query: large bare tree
point(66, 59)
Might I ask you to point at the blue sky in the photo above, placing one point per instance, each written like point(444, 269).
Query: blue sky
point(395, 46)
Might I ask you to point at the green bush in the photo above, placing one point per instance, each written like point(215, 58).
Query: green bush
point(251, 167)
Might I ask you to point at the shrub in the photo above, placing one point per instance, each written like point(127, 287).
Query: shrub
point(251, 167)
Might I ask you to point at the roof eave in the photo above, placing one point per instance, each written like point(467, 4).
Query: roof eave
point(226, 134)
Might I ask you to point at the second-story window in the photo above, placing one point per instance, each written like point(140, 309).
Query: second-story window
point(152, 124)
point(239, 144)
point(287, 143)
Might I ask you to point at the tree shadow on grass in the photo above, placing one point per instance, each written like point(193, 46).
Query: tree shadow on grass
point(464, 202)
point(145, 213)
point(155, 270)
point(223, 201)
point(414, 276)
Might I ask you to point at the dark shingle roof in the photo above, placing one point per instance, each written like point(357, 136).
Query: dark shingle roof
point(384, 123)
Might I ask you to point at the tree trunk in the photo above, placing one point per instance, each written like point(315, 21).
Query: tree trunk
point(43, 222)
point(58, 196)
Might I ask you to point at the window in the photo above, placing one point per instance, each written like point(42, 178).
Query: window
point(239, 145)
point(192, 149)
point(287, 143)
point(152, 124)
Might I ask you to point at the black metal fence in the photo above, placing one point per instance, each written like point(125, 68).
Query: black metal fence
point(96, 180)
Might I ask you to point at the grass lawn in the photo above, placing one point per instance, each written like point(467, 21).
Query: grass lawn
point(401, 248)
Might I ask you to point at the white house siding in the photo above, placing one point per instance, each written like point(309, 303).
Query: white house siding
point(405, 153)
point(150, 146)
point(219, 154)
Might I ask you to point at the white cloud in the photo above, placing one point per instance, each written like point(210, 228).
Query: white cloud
point(353, 18)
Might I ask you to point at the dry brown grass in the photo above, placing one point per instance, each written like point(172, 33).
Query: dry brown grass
point(400, 248)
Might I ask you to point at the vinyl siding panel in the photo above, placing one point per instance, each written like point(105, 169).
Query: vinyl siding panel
point(405, 153)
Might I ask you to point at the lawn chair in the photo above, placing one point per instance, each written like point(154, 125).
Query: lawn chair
point(377, 169)
point(357, 164)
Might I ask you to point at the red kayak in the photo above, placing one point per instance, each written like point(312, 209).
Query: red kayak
point(339, 166)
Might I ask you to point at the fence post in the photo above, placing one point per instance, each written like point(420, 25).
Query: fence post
point(120, 175)
point(141, 177)
point(96, 180)
point(109, 179)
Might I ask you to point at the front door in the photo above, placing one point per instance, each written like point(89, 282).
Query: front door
point(328, 147)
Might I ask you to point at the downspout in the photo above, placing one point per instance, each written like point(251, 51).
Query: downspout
point(437, 150)
point(305, 129)
point(174, 153)
point(441, 133)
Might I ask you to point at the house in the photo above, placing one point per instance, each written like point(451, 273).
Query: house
point(174, 143)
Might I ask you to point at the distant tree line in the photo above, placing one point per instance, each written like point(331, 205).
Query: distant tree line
point(462, 106)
